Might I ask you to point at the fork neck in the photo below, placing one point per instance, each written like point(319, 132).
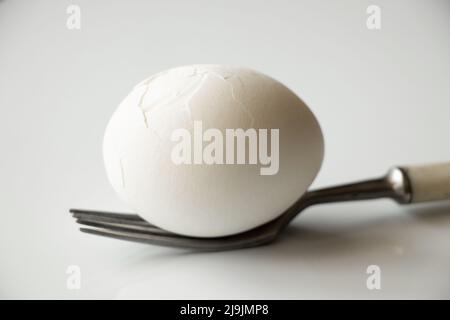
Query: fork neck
point(394, 185)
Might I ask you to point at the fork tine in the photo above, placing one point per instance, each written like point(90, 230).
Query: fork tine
point(110, 217)
point(121, 225)
point(106, 214)
point(133, 228)
point(161, 240)
point(112, 220)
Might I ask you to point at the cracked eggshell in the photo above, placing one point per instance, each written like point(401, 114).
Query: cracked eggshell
point(209, 200)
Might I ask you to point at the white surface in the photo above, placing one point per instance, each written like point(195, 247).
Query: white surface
point(211, 200)
point(382, 98)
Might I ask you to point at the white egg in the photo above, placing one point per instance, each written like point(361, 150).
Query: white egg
point(146, 149)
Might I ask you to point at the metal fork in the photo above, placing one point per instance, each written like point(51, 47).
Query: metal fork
point(402, 184)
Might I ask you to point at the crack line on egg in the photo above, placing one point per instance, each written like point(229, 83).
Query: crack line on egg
point(141, 100)
point(224, 78)
point(167, 100)
point(187, 89)
point(146, 109)
point(200, 84)
point(243, 107)
point(190, 90)
point(141, 106)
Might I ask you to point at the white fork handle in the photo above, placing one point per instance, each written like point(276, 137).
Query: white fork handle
point(429, 182)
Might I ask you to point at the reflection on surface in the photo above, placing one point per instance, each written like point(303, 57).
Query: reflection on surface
point(315, 258)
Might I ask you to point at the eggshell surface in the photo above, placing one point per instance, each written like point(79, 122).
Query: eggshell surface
point(209, 200)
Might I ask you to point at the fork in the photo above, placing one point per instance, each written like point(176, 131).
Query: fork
point(405, 185)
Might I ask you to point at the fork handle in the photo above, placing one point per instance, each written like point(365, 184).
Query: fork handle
point(429, 182)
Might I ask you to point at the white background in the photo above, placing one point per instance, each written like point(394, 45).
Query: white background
point(382, 98)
